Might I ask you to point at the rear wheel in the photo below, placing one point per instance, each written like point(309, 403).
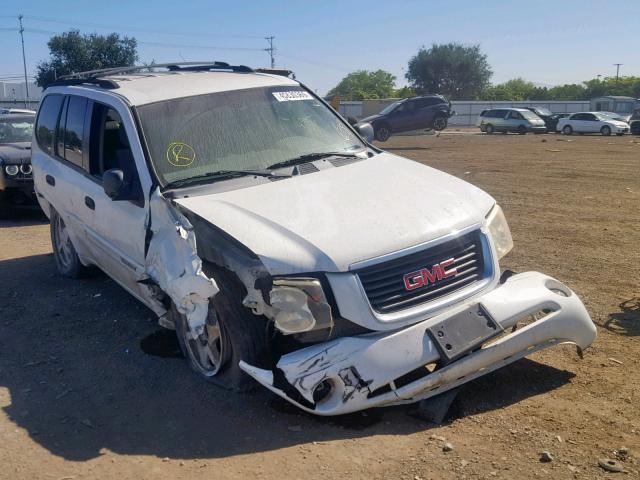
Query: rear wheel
point(440, 123)
point(64, 253)
point(567, 130)
point(382, 133)
point(232, 333)
point(606, 130)
point(489, 129)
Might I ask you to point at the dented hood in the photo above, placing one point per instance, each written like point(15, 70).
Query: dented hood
point(330, 219)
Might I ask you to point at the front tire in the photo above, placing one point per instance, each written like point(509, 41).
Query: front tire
point(606, 131)
point(488, 128)
point(440, 123)
point(522, 130)
point(567, 130)
point(232, 333)
point(64, 253)
point(382, 133)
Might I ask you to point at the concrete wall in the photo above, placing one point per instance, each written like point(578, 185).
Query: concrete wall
point(466, 111)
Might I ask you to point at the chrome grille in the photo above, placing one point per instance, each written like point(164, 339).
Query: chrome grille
point(384, 283)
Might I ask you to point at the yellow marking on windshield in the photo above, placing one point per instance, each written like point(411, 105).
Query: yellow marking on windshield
point(180, 154)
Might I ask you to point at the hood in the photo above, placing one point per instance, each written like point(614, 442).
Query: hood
point(370, 118)
point(18, 153)
point(330, 219)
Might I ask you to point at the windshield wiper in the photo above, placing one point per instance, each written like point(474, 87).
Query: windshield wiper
point(224, 174)
point(312, 156)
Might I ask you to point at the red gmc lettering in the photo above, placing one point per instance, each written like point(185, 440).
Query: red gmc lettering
point(424, 276)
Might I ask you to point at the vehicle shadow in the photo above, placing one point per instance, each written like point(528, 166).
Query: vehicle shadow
point(25, 217)
point(627, 321)
point(75, 377)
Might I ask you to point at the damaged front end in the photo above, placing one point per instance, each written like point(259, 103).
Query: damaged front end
point(404, 366)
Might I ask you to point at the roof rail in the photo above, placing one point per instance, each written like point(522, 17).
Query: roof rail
point(96, 77)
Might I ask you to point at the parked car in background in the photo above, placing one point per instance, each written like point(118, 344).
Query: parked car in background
point(550, 119)
point(280, 244)
point(515, 120)
point(428, 112)
point(592, 122)
point(634, 122)
point(16, 182)
point(17, 110)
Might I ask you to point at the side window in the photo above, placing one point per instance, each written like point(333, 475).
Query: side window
point(74, 130)
point(110, 147)
point(590, 117)
point(47, 119)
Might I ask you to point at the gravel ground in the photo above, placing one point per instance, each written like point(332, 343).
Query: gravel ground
point(90, 388)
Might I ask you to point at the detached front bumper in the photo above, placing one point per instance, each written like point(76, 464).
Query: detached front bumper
point(354, 373)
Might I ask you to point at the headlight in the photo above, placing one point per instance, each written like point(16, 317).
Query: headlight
point(499, 231)
point(11, 170)
point(300, 305)
point(26, 169)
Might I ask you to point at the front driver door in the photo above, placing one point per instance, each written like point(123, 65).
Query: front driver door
point(403, 118)
point(118, 228)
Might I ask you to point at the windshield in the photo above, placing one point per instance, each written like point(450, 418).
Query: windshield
point(389, 108)
point(543, 111)
point(529, 115)
point(14, 131)
point(607, 116)
point(241, 129)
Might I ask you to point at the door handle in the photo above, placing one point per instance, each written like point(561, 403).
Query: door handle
point(50, 180)
point(88, 201)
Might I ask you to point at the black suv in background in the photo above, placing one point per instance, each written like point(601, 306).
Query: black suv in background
point(550, 119)
point(634, 122)
point(429, 112)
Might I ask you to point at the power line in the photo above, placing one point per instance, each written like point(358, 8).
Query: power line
point(137, 29)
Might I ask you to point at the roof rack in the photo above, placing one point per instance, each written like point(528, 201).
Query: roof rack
point(277, 71)
point(96, 77)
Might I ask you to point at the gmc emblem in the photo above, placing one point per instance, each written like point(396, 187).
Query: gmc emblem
point(424, 276)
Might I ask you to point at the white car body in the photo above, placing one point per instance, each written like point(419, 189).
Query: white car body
point(591, 122)
point(342, 222)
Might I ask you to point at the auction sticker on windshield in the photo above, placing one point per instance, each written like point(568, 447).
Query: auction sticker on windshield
point(180, 154)
point(292, 96)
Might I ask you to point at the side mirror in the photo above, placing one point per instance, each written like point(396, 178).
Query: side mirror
point(365, 130)
point(113, 183)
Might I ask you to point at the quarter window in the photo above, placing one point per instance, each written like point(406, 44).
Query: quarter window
point(47, 119)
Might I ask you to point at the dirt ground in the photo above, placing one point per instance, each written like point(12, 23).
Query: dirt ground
point(90, 389)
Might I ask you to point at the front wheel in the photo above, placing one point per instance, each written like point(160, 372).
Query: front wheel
point(382, 133)
point(522, 130)
point(232, 333)
point(489, 129)
point(567, 130)
point(440, 123)
point(606, 131)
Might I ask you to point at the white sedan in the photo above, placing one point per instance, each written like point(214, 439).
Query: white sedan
point(591, 122)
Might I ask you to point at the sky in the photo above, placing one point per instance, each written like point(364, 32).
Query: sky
point(544, 41)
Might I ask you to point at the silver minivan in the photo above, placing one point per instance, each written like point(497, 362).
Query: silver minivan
point(516, 120)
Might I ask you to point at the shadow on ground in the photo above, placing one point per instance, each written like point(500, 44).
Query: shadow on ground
point(74, 375)
point(627, 320)
point(24, 217)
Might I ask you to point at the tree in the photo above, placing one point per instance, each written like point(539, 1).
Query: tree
point(72, 52)
point(515, 89)
point(404, 92)
point(458, 71)
point(571, 91)
point(365, 84)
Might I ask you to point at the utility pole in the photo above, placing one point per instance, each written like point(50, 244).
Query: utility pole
point(617, 65)
point(271, 49)
point(24, 62)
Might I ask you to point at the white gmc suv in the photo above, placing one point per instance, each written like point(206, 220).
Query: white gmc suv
point(282, 246)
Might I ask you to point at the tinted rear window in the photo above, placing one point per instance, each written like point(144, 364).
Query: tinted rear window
point(47, 119)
